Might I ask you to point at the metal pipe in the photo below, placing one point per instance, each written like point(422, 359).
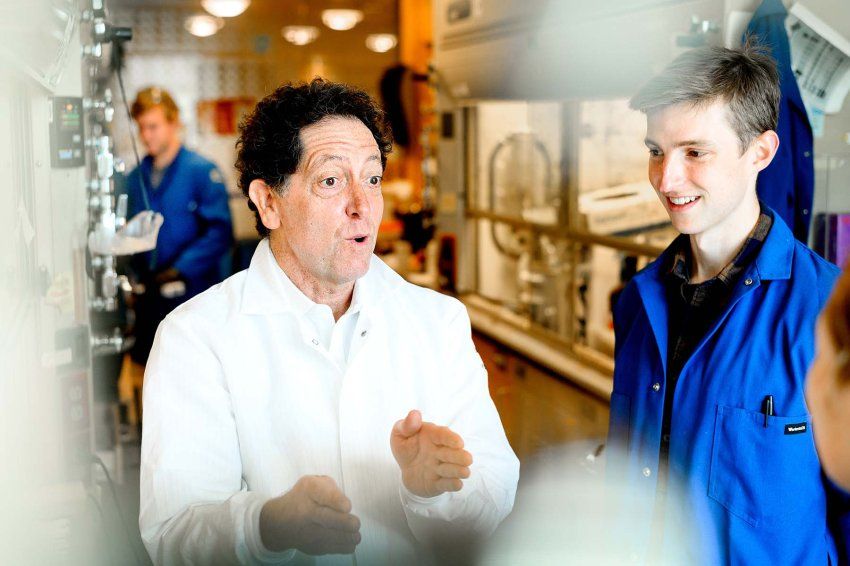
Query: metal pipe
point(578, 236)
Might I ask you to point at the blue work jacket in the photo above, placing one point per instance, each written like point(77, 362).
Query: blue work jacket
point(750, 492)
point(787, 185)
point(197, 231)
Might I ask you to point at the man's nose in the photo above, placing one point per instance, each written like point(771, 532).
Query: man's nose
point(671, 173)
point(358, 203)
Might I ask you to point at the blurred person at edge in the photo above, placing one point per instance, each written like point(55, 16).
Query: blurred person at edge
point(828, 384)
point(317, 403)
point(714, 338)
point(188, 190)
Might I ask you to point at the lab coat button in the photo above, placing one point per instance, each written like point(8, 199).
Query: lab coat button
point(805, 211)
point(656, 387)
point(748, 281)
point(315, 342)
point(647, 472)
point(807, 153)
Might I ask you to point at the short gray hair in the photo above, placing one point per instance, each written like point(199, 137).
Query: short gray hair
point(746, 78)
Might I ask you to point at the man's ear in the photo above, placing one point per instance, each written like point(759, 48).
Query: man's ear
point(262, 196)
point(764, 147)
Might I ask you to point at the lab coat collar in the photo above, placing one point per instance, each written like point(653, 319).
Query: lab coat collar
point(772, 262)
point(774, 259)
point(268, 290)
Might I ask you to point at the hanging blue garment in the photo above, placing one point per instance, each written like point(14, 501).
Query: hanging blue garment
point(787, 184)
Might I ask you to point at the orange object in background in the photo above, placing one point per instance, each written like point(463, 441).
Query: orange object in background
point(222, 116)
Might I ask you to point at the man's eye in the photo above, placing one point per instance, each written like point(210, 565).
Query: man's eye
point(329, 182)
point(375, 180)
point(655, 153)
point(695, 153)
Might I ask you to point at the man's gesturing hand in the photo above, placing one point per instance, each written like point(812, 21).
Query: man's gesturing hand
point(431, 457)
point(313, 517)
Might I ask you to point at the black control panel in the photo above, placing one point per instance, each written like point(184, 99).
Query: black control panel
point(67, 139)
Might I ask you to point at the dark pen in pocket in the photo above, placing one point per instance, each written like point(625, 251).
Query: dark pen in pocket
point(767, 408)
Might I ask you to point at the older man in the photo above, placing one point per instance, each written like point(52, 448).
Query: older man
point(316, 403)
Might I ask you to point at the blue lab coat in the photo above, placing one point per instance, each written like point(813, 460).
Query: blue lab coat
point(752, 494)
point(787, 184)
point(197, 231)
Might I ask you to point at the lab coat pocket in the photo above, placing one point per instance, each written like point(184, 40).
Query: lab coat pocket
point(765, 475)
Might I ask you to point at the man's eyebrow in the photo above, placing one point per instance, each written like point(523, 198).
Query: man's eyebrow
point(322, 159)
point(684, 143)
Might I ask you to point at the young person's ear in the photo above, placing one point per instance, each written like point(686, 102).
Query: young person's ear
point(765, 147)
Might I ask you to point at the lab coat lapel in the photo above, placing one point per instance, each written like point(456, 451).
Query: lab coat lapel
point(652, 293)
point(772, 262)
point(372, 288)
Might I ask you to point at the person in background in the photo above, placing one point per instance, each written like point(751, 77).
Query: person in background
point(188, 190)
point(828, 385)
point(714, 338)
point(317, 403)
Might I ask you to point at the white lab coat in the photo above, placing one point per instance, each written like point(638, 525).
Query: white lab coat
point(241, 400)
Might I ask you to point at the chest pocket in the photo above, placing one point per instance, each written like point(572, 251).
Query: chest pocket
point(766, 476)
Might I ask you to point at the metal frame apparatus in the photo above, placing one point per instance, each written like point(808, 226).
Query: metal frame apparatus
point(489, 53)
point(562, 347)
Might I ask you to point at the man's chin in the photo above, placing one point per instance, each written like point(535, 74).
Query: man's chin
point(351, 273)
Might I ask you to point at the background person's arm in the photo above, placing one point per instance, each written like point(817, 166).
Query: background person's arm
point(214, 242)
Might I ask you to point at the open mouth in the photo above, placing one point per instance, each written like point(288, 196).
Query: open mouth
point(359, 238)
point(679, 203)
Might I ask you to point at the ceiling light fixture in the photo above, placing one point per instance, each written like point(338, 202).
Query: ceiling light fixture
point(381, 42)
point(225, 8)
point(341, 20)
point(203, 25)
point(300, 35)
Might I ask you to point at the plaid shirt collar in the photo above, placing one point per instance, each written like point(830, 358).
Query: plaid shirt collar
point(679, 268)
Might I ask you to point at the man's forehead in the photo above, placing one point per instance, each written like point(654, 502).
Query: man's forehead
point(689, 121)
point(337, 130)
point(699, 110)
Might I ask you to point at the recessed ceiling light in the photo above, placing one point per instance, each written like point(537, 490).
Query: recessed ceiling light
point(225, 8)
point(300, 35)
point(381, 42)
point(203, 25)
point(341, 20)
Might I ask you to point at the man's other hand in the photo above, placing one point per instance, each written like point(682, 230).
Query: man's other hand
point(431, 457)
point(313, 517)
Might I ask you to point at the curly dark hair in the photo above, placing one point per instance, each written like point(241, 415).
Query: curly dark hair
point(269, 145)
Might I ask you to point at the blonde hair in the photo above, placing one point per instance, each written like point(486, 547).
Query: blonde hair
point(151, 97)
